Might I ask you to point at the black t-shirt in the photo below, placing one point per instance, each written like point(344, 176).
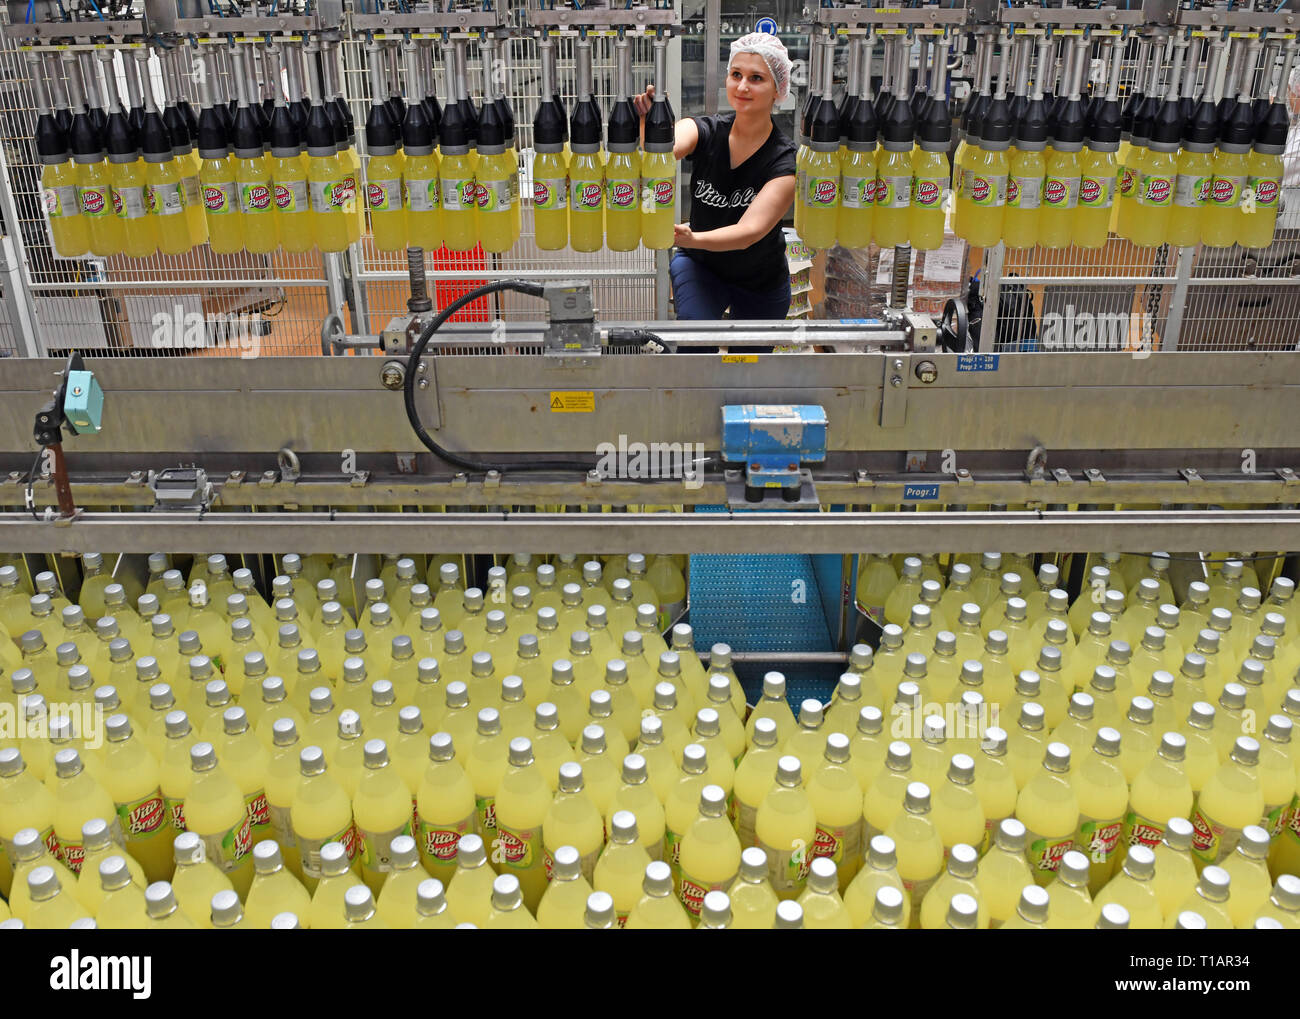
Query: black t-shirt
point(720, 196)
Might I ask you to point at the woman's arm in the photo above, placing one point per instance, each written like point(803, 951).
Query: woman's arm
point(764, 212)
point(685, 135)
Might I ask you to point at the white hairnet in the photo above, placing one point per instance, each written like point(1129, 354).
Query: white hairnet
point(774, 54)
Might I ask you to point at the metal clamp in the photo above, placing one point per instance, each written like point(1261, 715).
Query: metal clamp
point(181, 488)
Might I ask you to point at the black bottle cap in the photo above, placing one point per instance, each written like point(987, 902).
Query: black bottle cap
point(433, 114)
point(659, 125)
point(848, 106)
point(284, 132)
point(212, 131)
point(99, 118)
point(1240, 129)
point(996, 129)
point(1144, 118)
point(120, 138)
point(491, 132)
point(560, 109)
point(338, 126)
point(863, 127)
point(226, 114)
point(381, 132)
point(1167, 126)
point(1031, 129)
point(935, 129)
point(1259, 109)
point(1224, 110)
point(884, 103)
point(51, 140)
point(899, 128)
point(321, 132)
point(248, 132)
point(972, 123)
point(1271, 132)
point(417, 133)
point(299, 112)
point(136, 116)
point(84, 138)
point(624, 126)
point(452, 131)
point(1105, 125)
point(470, 116)
point(548, 126)
point(154, 139)
point(825, 123)
point(1131, 105)
point(1187, 109)
point(1203, 126)
point(345, 115)
point(919, 102)
point(1017, 106)
point(396, 106)
point(585, 126)
point(63, 117)
point(177, 129)
point(507, 114)
point(809, 109)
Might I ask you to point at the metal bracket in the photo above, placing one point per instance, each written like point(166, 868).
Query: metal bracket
point(1094, 476)
point(922, 331)
point(1288, 476)
point(1061, 476)
point(571, 313)
point(1191, 475)
point(893, 395)
point(492, 479)
point(738, 493)
point(359, 480)
point(862, 478)
point(964, 476)
point(181, 488)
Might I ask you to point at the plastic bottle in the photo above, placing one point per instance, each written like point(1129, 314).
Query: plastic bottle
point(497, 174)
point(1221, 220)
point(421, 191)
point(1066, 125)
point(658, 166)
point(332, 205)
point(586, 172)
point(1283, 904)
point(94, 185)
point(1160, 790)
point(69, 230)
point(1098, 163)
point(564, 903)
point(1264, 167)
point(25, 802)
point(252, 170)
point(523, 799)
point(1231, 800)
point(710, 851)
point(1194, 183)
point(384, 169)
point(1247, 867)
point(1139, 109)
point(1026, 169)
point(131, 191)
point(469, 893)
point(658, 908)
point(853, 226)
point(985, 186)
point(131, 777)
point(892, 217)
point(549, 172)
point(957, 881)
point(623, 166)
point(1004, 871)
point(274, 889)
point(621, 867)
point(321, 814)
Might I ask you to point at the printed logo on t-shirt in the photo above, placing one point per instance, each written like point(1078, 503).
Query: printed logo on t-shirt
point(707, 194)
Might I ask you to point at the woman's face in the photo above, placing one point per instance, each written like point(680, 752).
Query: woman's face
point(750, 87)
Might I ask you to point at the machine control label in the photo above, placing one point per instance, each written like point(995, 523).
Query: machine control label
point(977, 362)
point(914, 492)
point(573, 402)
point(740, 359)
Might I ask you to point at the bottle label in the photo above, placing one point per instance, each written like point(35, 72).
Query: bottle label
point(256, 198)
point(1096, 192)
point(422, 194)
point(857, 192)
point(916, 893)
point(259, 811)
point(61, 201)
point(787, 869)
point(837, 843)
point(459, 194)
point(129, 202)
point(1024, 192)
point(73, 853)
point(167, 199)
point(669, 613)
point(1275, 819)
point(927, 192)
point(1127, 182)
point(190, 189)
point(693, 892)
point(1141, 831)
point(621, 195)
point(517, 848)
point(332, 196)
point(822, 193)
point(383, 195)
point(1045, 853)
point(1266, 191)
point(440, 842)
point(282, 825)
point(1212, 841)
point(1098, 840)
point(309, 849)
point(485, 813)
point(1060, 192)
point(95, 200)
point(219, 199)
point(227, 848)
point(588, 195)
point(551, 193)
point(376, 847)
point(988, 190)
point(894, 192)
point(1191, 192)
point(673, 850)
point(1225, 192)
point(1291, 823)
point(175, 813)
point(658, 193)
point(291, 196)
point(498, 195)
point(143, 818)
point(746, 824)
point(1155, 190)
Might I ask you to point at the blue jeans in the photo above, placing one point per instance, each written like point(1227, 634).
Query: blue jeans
point(699, 294)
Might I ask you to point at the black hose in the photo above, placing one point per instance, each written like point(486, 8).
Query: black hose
point(412, 369)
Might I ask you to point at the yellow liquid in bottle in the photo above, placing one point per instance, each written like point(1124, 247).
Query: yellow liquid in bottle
point(498, 200)
point(891, 222)
point(586, 206)
point(1026, 170)
point(820, 198)
point(929, 181)
point(658, 203)
point(384, 201)
point(292, 204)
point(459, 202)
point(550, 201)
point(622, 204)
point(131, 203)
point(331, 203)
point(422, 196)
point(69, 230)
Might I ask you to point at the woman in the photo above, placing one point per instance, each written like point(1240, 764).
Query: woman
point(732, 252)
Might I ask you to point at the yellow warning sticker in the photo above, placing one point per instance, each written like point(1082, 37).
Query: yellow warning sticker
point(740, 359)
point(573, 402)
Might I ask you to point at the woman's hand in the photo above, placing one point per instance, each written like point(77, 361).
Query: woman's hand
point(643, 101)
point(682, 236)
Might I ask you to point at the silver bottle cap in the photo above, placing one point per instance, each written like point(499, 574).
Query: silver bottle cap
point(917, 798)
point(495, 622)
point(571, 778)
point(430, 897)
point(1118, 652)
point(871, 722)
point(284, 732)
point(652, 730)
point(765, 732)
point(354, 642)
point(1140, 863)
point(891, 636)
point(670, 665)
point(888, 907)
point(176, 725)
point(354, 670)
point(266, 857)
point(359, 903)
point(547, 718)
point(1028, 683)
point(320, 701)
point(119, 650)
point(1011, 835)
point(593, 740)
point(1161, 685)
point(898, 757)
point(1153, 638)
point(1233, 697)
point(374, 754)
point(334, 860)
point(713, 801)
point(1286, 893)
point(1173, 746)
point(349, 724)
point(823, 876)
point(945, 643)
point(997, 642)
point(789, 772)
point(521, 752)
point(1254, 842)
point(512, 689)
point(1245, 751)
point(1081, 706)
point(961, 769)
point(567, 864)
point(481, 664)
point(616, 672)
point(1099, 624)
point(1031, 716)
point(920, 617)
point(633, 643)
point(430, 620)
point(1215, 884)
point(216, 694)
point(658, 880)
point(1033, 904)
point(42, 884)
point(311, 761)
point(915, 666)
point(972, 673)
point(1103, 678)
point(106, 628)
